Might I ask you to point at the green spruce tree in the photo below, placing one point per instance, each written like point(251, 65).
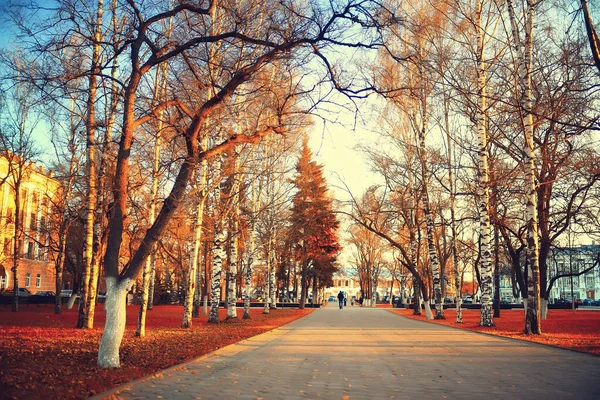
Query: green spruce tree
point(313, 226)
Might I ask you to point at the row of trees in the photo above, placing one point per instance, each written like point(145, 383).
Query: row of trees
point(511, 165)
point(160, 110)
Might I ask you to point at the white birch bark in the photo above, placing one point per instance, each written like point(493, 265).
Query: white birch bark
point(91, 194)
point(218, 257)
point(544, 308)
point(433, 259)
point(428, 313)
point(251, 250)
point(233, 253)
point(115, 306)
point(523, 88)
point(483, 194)
point(374, 292)
point(193, 272)
point(62, 231)
point(457, 283)
point(273, 276)
point(267, 294)
point(149, 266)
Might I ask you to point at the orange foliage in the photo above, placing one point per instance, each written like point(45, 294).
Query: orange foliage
point(563, 328)
point(43, 356)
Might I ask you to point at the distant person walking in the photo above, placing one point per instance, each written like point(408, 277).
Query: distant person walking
point(340, 297)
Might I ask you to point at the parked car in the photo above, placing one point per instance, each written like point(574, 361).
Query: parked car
point(331, 298)
point(467, 300)
point(66, 293)
point(590, 302)
point(46, 293)
point(24, 292)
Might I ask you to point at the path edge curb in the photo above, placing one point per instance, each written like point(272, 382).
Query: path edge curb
point(113, 393)
point(500, 336)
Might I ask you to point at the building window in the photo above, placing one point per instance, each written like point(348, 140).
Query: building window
point(7, 247)
point(346, 283)
point(30, 250)
point(27, 280)
point(43, 227)
point(32, 221)
point(2, 282)
point(589, 281)
point(38, 280)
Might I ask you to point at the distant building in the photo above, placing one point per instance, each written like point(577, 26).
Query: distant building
point(351, 285)
point(36, 268)
point(574, 260)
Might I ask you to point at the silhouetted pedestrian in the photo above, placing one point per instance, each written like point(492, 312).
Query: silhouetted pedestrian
point(340, 297)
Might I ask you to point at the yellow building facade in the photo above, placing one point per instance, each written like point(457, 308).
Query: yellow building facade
point(36, 267)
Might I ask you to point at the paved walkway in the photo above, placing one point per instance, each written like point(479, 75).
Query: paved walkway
point(360, 353)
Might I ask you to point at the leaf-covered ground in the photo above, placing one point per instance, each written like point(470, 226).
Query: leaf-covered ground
point(42, 355)
point(563, 328)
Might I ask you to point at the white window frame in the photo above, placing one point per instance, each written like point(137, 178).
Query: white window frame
point(38, 280)
point(28, 280)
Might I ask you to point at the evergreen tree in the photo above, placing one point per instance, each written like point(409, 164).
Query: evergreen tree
point(313, 226)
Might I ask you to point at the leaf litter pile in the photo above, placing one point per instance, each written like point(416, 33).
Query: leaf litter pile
point(42, 355)
point(563, 328)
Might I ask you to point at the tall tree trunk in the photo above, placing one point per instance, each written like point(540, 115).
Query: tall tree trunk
point(59, 263)
point(233, 253)
point(17, 248)
point(433, 259)
point(267, 294)
point(524, 55)
point(591, 33)
point(303, 284)
point(496, 275)
point(251, 250)
point(457, 282)
point(89, 276)
point(273, 276)
point(483, 194)
point(193, 284)
point(417, 296)
point(108, 353)
point(148, 266)
point(218, 257)
point(423, 161)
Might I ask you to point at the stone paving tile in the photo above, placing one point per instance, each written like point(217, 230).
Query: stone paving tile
point(360, 353)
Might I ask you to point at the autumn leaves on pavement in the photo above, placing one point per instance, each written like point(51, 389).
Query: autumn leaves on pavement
point(44, 356)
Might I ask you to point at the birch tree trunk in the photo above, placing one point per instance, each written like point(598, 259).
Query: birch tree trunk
point(62, 231)
point(524, 64)
point(149, 266)
point(374, 292)
point(273, 277)
point(102, 200)
point(251, 250)
point(483, 194)
point(193, 287)
point(108, 353)
point(457, 299)
point(417, 296)
point(17, 250)
point(233, 253)
point(433, 259)
point(88, 277)
point(218, 256)
point(267, 294)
